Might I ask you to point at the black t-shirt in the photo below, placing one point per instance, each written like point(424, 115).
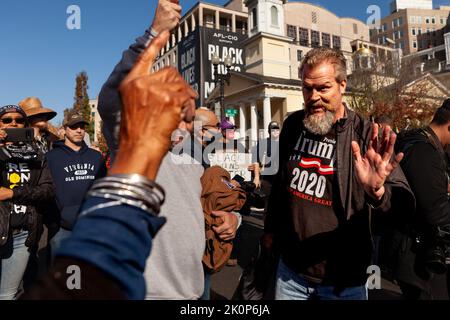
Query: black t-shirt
point(17, 173)
point(311, 174)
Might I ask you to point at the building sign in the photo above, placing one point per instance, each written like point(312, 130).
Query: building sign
point(195, 53)
point(231, 112)
point(235, 163)
point(189, 61)
point(223, 44)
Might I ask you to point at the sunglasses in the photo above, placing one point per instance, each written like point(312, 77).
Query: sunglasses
point(10, 120)
point(76, 126)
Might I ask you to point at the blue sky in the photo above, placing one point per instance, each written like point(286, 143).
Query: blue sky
point(40, 57)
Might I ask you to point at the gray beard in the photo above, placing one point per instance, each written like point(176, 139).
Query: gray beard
point(319, 125)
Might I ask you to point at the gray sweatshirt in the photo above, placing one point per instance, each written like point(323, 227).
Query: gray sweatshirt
point(174, 269)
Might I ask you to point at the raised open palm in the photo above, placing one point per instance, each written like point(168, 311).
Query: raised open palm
point(377, 164)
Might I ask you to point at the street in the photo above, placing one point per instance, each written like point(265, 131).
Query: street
point(225, 282)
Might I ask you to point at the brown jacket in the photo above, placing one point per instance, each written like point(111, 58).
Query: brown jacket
point(218, 195)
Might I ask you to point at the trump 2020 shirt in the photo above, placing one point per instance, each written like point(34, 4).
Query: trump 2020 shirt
point(311, 174)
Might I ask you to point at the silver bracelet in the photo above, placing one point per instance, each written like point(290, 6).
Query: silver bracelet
point(153, 33)
point(136, 179)
point(123, 201)
point(130, 189)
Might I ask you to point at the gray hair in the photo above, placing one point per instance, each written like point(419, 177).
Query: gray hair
point(320, 55)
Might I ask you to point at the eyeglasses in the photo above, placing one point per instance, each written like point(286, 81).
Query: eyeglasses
point(76, 126)
point(217, 126)
point(10, 120)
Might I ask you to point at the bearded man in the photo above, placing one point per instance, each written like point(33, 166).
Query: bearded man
point(333, 173)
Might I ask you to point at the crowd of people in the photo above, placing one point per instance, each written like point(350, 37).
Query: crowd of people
point(162, 220)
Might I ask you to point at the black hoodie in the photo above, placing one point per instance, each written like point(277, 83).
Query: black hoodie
point(73, 174)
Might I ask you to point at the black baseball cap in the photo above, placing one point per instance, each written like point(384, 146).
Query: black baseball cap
point(274, 125)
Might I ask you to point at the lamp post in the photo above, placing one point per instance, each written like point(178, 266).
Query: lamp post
point(221, 79)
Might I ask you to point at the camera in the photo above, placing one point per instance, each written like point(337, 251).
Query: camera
point(437, 252)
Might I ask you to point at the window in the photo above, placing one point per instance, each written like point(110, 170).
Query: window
point(299, 55)
point(400, 21)
point(419, 20)
point(419, 31)
point(314, 17)
point(315, 39)
point(412, 19)
point(385, 27)
point(401, 45)
point(433, 20)
point(415, 44)
point(442, 20)
point(274, 14)
point(427, 20)
point(355, 28)
point(254, 18)
point(292, 32)
point(336, 42)
point(413, 31)
point(326, 40)
point(304, 37)
point(299, 73)
point(400, 34)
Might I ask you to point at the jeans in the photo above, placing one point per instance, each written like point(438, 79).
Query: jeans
point(13, 268)
point(207, 291)
point(291, 286)
point(58, 239)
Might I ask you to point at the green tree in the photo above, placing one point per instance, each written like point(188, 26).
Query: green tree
point(396, 91)
point(81, 104)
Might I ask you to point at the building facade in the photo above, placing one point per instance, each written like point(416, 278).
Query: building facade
point(416, 4)
point(266, 41)
point(413, 29)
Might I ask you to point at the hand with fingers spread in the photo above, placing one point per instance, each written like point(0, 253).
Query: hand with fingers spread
point(153, 106)
point(167, 16)
point(227, 230)
point(377, 164)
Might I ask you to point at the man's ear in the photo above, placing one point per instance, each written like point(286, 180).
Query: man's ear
point(343, 86)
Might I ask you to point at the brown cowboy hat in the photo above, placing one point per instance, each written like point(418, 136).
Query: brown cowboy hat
point(33, 107)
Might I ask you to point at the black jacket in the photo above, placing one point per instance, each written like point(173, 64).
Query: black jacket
point(38, 193)
point(425, 166)
point(347, 249)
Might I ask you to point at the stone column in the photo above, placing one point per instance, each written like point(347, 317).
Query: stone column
point(242, 121)
point(217, 20)
point(267, 115)
point(200, 16)
point(233, 23)
point(254, 124)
